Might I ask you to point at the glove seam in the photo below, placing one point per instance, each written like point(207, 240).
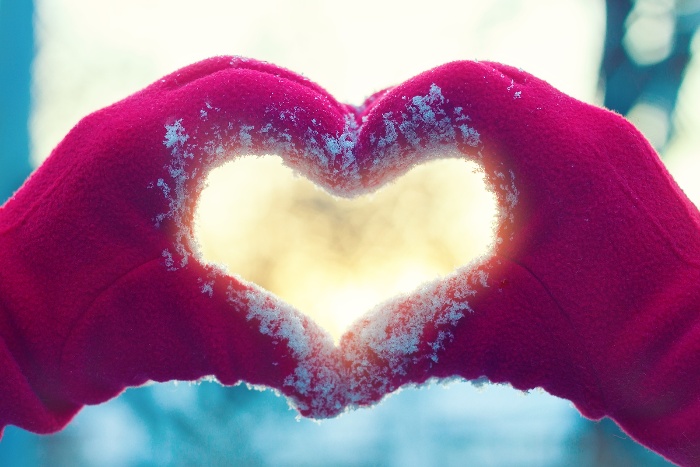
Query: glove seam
point(89, 308)
point(589, 372)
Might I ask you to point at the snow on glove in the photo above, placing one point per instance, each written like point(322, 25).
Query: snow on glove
point(592, 288)
point(100, 286)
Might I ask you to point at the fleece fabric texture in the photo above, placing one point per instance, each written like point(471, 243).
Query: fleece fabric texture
point(591, 290)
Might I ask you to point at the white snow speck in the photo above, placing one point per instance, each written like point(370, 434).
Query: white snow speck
point(175, 134)
point(470, 135)
point(244, 134)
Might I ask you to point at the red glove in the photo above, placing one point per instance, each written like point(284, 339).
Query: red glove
point(589, 293)
point(100, 287)
point(592, 288)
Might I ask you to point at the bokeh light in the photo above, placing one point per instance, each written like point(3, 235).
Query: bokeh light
point(335, 258)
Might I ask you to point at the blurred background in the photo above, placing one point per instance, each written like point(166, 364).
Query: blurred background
point(62, 59)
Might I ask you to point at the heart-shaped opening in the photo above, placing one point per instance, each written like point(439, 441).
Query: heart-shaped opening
point(332, 258)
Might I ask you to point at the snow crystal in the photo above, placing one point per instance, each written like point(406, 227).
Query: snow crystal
point(424, 103)
point(175, 134)
point(430, 125)
point(459, 117)
point(470, 135)
point(243, 133)
point(390, 135)
point(174, 192)
point(483, 278)
point(164, 186)
point(208, 288)
point(332, 145)
point(511, 192)
point(394, 331)
point(169, 263)
point(318, 375)
point(321, 150)
point(427, 110)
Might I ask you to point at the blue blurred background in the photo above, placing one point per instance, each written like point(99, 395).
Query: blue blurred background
point(61, 59)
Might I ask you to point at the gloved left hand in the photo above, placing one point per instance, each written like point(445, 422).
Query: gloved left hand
point(100, 285)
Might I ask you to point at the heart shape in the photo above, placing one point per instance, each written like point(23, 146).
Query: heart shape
point(349, 254)
point(348, 151)
point(590, 290)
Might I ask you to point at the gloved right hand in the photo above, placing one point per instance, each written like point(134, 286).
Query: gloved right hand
point(592, 288)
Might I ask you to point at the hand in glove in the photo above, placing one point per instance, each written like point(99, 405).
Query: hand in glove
point(100, 285)
point(592, 288)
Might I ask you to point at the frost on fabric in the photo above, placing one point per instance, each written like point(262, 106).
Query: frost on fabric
point(394, 332)
point(428, 127)
point(326, 158)
point(169, 263)
point(511, 86)
point(175, 134)
point(200, 145)
point(172, 185)
point(207, 287)
point(509, 196)
point(317, 378)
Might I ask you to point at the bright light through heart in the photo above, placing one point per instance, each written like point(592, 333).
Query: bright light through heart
point(334, 259)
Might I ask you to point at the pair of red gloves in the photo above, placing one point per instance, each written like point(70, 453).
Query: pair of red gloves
point(591, 290)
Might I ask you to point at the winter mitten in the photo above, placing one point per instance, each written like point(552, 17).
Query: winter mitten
point(100, 284)
point(592, 287)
